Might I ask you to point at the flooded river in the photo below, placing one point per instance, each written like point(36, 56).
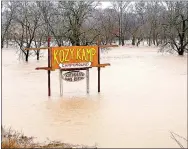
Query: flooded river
point(143, 97)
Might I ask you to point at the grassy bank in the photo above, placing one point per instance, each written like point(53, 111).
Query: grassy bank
point(15, 139)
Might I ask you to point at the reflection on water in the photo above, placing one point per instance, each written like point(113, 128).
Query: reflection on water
point(143, 97)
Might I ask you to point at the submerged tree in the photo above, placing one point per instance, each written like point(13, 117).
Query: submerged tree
point(121, 8)
point(8, 12)
point(176, 27)
point(161, 23)
point(27, 21)
point(76, 13)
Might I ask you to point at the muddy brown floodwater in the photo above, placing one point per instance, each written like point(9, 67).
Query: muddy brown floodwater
point(143, 97)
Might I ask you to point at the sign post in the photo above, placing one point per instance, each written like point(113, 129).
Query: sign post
point(87, 80)
point(72, 59)
point(61, 82)
point(99, 77)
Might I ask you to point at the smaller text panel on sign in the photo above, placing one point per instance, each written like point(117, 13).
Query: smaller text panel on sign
point(74, 56)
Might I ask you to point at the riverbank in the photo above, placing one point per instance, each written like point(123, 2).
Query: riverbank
point(14, 139)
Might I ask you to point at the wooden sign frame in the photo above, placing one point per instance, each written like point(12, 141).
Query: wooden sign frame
point(51, 68)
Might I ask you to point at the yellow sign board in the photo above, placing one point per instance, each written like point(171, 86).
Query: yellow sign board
point(74, 57)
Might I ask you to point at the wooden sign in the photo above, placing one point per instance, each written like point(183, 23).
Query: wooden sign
point(74, 57)
point(73, 76)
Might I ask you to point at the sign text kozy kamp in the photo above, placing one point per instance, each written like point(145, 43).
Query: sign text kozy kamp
point(74, 54)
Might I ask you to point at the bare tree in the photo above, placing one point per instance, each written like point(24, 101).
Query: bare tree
point(7, 10)
point(81, 23)
point(54, 19)
point(76, 13)
point(106, 25)
point(176, 26)
point(39, 40)
point(27, 21)
point(135, 23)
point(121, 8)
point(90, 29)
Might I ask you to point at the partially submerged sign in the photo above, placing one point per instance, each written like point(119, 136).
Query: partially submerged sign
point(73, 76)
point(74, 57)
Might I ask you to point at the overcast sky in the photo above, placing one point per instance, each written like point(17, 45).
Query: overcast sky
point(106, 4)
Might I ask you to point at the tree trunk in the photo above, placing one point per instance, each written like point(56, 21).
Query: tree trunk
point(154, 41)
point(7, 43)
point(133, 40)
point(2, 44)
point(77, 40)
point(157, 41)
point(181, 52)
point(122, 41)
point(119, 38)
point(38, 54)
point(149, 41)
point(72, 42)
point(139, 40)
point(27, 56)
point(154, 38)
point(182, 38)
point(119, 31)
point(77, 43)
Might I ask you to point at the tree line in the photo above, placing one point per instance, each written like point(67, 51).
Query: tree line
point(160, 23)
